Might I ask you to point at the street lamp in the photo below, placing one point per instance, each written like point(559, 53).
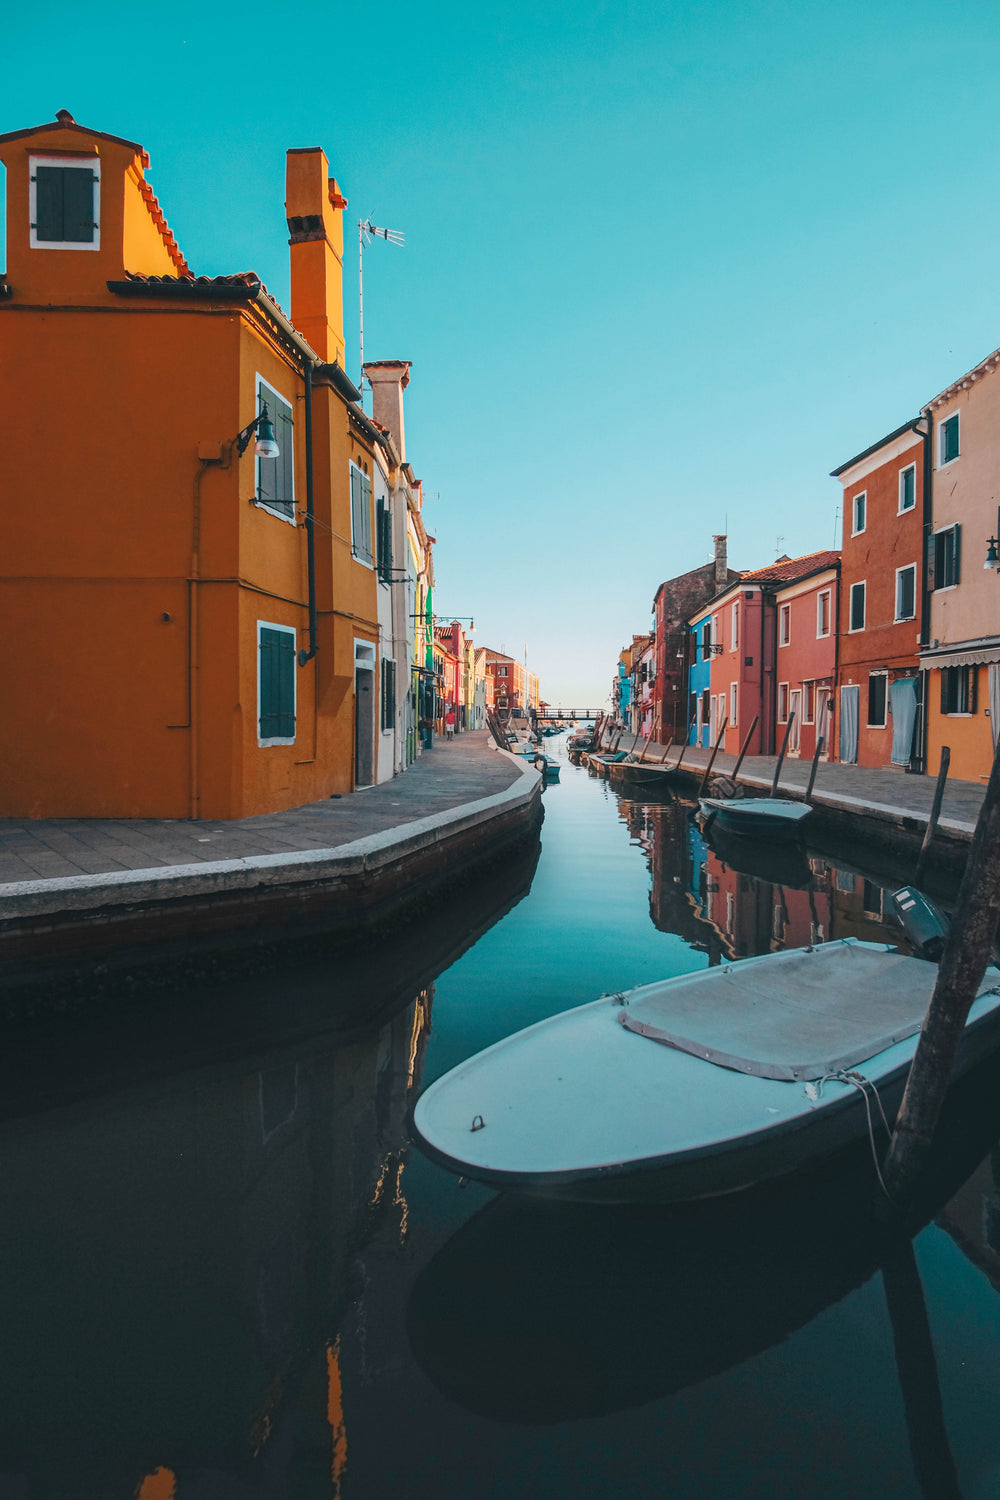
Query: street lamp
point(265, 446)
point(992, 543)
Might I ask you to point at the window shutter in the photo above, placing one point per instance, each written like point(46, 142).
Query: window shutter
point(285, 462)
point(956, 554)
point(268, 684)
point(277, 684)
point(48, 203)
point(932, 557)
point(286, 685)
point(78, 205)
point(366, 508)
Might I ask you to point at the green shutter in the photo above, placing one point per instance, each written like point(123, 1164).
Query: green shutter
point(48, 203)
point(275, 476)
point(78, 205)
point(366, 505)
point(956, 554)
point(355, 511)
point(277, 684)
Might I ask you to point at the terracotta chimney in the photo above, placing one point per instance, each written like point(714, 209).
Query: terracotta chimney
point(721, 565)
point(314, 210)
point(388, 379)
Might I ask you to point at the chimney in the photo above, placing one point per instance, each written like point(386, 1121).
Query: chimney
point(721, 565)
point(388, 379)
point(314, 210)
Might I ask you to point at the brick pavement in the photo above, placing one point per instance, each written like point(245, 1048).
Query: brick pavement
point(447, 776)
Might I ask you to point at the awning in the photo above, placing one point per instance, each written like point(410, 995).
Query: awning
point(972, 656)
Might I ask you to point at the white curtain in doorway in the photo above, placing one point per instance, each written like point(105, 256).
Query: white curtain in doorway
point(903, 707)
point(849, 703)
point(994, 701)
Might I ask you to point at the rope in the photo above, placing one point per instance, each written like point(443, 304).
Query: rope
point(868, 1091)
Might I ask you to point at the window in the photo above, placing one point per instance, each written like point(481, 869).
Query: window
point(716, 630)
point(823, 613)
point(383, 539)
point(948, 440)
point(878, 685)
point(857, 606)
point(958, 690)
point(859, 506)
point(906, 592)
point(907, 488)
point(275, 684)
point(808, 702)
point(945, 559)
point(734, 626)
point(361, 516)
point(784, 624)
point(706, 640)
point(64, 203)
point(733, 703)
point(388, 693)
point(782, 702)
point(501, 671)
point(276, 476)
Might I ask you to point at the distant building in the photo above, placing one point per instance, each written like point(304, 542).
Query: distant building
point(673, 605)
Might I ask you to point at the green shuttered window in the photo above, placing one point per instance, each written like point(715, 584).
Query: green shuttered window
point(276, 476)
point(64, 205)
point(276, 651)
point(361, 516)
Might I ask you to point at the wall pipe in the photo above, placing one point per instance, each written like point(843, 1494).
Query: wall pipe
point(307, 656)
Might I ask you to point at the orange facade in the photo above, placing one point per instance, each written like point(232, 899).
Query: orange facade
point(147, 566)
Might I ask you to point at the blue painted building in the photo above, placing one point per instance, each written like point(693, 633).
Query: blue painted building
point(699, 679)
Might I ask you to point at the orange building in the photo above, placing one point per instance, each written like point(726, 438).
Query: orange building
point(196, 620)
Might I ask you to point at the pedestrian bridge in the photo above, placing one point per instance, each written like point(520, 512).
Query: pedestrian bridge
point(575, 715)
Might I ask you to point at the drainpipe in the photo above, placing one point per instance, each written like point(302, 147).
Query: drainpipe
point(307, 656)
point(925, 596)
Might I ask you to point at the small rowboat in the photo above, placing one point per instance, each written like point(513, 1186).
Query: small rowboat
point(698, 1085)
point(764, 817)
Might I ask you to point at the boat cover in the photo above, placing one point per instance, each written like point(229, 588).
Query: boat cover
point(798, 1015)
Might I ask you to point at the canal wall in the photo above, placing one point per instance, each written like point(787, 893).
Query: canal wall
point(58, 934)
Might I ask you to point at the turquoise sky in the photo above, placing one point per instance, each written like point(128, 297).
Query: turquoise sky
point(666, 264)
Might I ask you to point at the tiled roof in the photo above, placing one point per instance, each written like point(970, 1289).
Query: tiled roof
point(241, 278)
point(167, 234)
point(788, 569)
point(239, 283)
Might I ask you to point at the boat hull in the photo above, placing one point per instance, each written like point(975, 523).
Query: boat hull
point(761, 817)
point(580, 1107)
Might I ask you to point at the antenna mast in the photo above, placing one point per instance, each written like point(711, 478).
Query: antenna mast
point(367, 231)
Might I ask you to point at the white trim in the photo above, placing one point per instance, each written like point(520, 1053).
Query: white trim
point(826, 594)
point(904, 510)
point(878, 459)
point(783, 718)
point(885, 720)
point(859, 583)
point(784, 620)
point(363, 562)
point(365, 654)
point(809, 683)
point(942, 424)
point(734, 624)
point(63, 161)
point(734, 703)
point(857, 530)
point(288, 630)
point(898, 618)
point(259, 381)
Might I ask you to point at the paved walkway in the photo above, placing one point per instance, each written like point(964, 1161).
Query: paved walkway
point(890, 794)
point(448, 776)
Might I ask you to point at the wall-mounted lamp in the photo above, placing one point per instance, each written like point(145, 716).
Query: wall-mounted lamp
point(265, 446)
point(992, 543)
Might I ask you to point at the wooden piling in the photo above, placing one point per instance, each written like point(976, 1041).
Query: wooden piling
point(711, 758)
point(963, 963)
point(812, 774)
point(743, 748)
point(932, 821)
point(784, 747)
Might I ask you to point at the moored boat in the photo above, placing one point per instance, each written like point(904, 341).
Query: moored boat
point(764, 817)
point(697, 1085)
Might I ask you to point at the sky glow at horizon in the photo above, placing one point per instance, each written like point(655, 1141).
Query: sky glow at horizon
point(665, 267)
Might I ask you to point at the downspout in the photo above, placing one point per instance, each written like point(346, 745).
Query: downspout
point(925, 596)
point(307, 656)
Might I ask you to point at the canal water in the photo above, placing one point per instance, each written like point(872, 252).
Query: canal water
point(228, 1275)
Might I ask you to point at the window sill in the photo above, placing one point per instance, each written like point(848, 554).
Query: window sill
point(279, 515)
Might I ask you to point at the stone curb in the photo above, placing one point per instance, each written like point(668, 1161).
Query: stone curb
point(80, 893)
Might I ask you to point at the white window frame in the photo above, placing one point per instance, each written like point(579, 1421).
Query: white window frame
point(279, 515)
point(63, 161)
point(363, 561)
point(784, 624)
point(783, 702)
point(808, 690)
point(904, 510)
point(734, 622)
point(716, 630)
point(861, 583)
point(909, 568)
point(826, 594)
point(953, 416)
point(734, 703)
point(286, 630)
point(857, 530)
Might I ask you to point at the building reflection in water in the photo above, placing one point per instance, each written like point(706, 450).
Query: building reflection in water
point(179, 1253)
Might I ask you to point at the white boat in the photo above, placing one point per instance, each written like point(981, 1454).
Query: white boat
point(764, 817)
point(697, 1085)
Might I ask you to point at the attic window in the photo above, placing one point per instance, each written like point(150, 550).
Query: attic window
point(64, 202)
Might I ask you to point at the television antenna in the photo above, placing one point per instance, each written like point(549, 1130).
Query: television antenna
point(367, 231)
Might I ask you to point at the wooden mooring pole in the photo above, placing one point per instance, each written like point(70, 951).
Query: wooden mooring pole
point(963, 963)
point(711, 758)
point(932, 821)
point(784, 747)
point(812, 774)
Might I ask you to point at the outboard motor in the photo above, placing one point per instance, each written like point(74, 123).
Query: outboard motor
point(923, 921)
